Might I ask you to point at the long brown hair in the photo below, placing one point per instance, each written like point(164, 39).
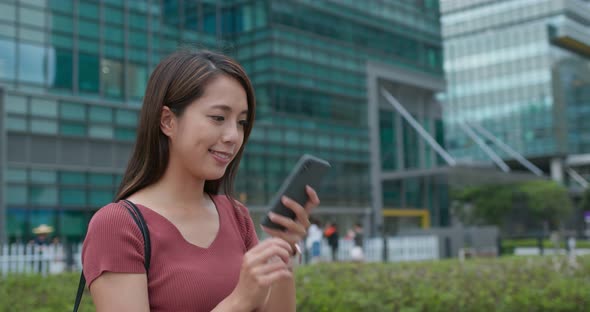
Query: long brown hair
point(176, 82)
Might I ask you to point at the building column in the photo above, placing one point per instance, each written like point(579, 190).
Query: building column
point(557, 170)
point(2, 170)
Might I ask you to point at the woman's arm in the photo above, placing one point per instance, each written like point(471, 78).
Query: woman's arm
point(281, 297)
point(120, 292)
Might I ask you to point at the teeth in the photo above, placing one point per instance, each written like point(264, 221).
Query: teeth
point(222, 155)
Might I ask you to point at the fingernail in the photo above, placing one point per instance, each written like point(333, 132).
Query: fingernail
point(272, 214)
point(284, 198)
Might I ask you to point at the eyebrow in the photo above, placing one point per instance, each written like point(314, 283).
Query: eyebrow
point(227, 108)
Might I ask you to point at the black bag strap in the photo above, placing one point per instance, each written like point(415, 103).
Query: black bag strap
point(147, 248)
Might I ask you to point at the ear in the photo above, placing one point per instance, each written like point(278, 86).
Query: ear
point(167, 121)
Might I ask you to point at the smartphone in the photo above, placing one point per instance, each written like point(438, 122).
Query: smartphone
point(309, 170)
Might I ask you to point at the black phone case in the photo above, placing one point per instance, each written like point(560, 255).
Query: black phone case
point(309, 170)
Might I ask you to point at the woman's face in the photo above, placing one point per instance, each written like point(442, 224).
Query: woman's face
point(210, 132)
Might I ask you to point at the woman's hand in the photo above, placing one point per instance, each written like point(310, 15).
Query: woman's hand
point(262, 266)
point(295, 230)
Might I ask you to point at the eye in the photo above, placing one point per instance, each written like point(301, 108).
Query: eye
point(217, 118)
point(243, 123)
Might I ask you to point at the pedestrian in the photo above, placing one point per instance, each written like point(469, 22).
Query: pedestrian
point(42, 233)
point(314, 240)
point(356, 235)
point(197, 114)
point(331, 234)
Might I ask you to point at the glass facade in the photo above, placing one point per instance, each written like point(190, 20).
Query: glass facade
point(509, 72)
point(74, 74)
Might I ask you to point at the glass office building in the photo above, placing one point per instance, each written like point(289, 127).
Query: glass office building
point(521, 70)
point(73, 74)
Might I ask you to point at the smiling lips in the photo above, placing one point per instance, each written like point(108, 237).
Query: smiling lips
point(221, 157)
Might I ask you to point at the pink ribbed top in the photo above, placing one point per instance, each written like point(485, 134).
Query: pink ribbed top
point(182, 276)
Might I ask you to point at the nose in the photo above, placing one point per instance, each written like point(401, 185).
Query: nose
point(231, 134)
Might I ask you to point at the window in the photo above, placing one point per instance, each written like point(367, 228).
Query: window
point(73, 223)
point(16, 175)
point(16, 104)
point(16, 123)
point(61, 23)
point(7, 59)
point(125, 117)
point(31, 63)
point(101, 179)
point(72, 128)
point(43, 108)
point(102, 132)
point(16, 195)
point(43, 195)
point(136, 81)
point(72, 111)
point(16, 222)
point(72, 178)
point(43, 176)
point(111, 77)
point(88, 79)
point(100, 198)
point(43, 126)
point(72, 197)
point(101, 114)
point(60, 70)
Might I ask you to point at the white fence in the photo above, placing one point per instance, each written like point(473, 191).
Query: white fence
point(411, 248)
point(52, 259)
point(46, 259)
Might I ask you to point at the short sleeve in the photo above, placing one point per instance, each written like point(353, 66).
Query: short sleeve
point(246, 226)
point(113, 244)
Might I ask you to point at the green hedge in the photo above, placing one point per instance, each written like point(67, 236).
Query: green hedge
point(508, 245)
point(505, 284)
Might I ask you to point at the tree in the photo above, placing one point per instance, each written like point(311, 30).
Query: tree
point(524, 206)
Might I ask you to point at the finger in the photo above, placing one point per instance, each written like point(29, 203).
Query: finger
point(275, 276)
point(313, 201)
point(286, 236)
point(299, 211)
point(269, 268)
point(257, 256)
point(289, 224)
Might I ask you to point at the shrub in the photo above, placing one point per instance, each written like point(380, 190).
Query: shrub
point(504, 284)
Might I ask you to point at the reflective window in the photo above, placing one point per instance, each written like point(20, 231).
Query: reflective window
point(72, 111)
point(15, 175)
point(43, 195)
point(101, 179)
point(61, 70)
point(16, 222)
point(111, 77)
point(43, 126)
point(16, 123)
point(62, 23)
point(72, 197)
point(15, 104)
point(101, 114)
point(73, 223)
point(44, 176)
point(136, 81)
point(87, 10)
point(72, 128)
point(31, 17)
point(125, 117)
point(103, 132)
point(31, 63)
point(88, 79)
point(16, 195)
point(72, 178)
point(7, 13)
point(41, 216)
point(88, 29)
point(43, 108)
point(100, 198)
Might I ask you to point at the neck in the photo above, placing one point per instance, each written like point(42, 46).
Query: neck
point(178, 189)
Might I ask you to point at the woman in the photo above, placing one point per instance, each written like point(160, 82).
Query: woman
point(197, 114)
